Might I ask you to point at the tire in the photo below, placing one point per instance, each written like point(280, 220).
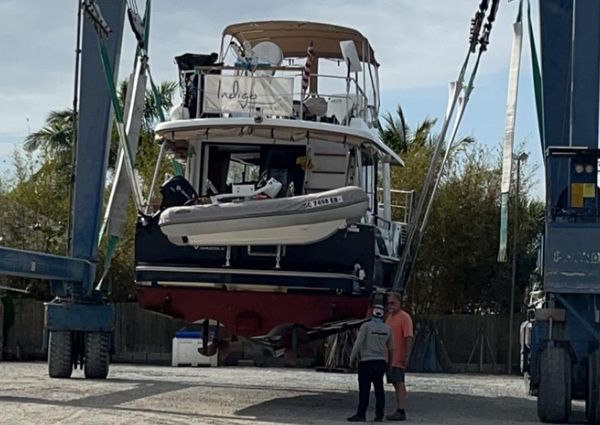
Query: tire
point(60, 357)
point(97, 359)
point(554, 392)
point(592, 401)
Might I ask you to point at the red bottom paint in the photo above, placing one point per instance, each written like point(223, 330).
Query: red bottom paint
point(252, 313)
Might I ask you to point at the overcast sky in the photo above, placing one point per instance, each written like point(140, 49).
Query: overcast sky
point(419, 44)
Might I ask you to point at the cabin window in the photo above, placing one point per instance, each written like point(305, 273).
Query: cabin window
point(244, 168)
point(226, 165)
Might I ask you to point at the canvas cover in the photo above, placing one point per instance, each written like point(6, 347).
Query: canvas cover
point(293, 37)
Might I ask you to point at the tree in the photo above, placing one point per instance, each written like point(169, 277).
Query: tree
point(36, 199)
point(456, 269)
point(56, 137)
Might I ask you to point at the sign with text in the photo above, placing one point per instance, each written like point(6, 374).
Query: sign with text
point(239, 94)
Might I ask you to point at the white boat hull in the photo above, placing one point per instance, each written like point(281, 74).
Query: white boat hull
point(289, 221)
point(300, 234)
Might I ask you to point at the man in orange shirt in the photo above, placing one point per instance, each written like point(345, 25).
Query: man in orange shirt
point(402, 327)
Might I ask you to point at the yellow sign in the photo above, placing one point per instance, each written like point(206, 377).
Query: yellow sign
point(577, 195)
point(589, 190)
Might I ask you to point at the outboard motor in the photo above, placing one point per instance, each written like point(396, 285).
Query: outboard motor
point(177, 191)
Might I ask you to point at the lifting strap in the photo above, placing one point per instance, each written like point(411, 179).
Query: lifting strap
point(93, 12)
point(509, 131)
point(537, 77)
point(479, 36)
point(115, 218)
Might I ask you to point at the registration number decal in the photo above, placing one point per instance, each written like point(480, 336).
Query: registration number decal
point(330, 200)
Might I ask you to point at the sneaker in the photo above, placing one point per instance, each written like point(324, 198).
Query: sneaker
point(356, 418)
point(396, 416)
point(378, 419)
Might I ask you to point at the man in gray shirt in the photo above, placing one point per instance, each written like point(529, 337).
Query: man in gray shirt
point(374, 345)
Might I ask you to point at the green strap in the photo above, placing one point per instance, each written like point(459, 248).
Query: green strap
point(113, 240)
point(111, 249)
point(108, 71)
point(537, 78)
point(146, 22)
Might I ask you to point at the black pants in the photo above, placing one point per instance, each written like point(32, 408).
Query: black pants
point(371, 371)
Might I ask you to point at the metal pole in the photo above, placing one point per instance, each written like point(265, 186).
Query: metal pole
point(514, 269)
point(74, 131)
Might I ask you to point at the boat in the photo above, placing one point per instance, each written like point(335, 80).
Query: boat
point(282, 220)
point(296, 220)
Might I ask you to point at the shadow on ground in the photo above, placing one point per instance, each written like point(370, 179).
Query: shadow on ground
point(307, 406)
point(428, 407)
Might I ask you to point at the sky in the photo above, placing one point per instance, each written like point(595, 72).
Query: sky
point(420, 45)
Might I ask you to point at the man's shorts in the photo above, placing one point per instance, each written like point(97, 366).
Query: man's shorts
point(395, 375)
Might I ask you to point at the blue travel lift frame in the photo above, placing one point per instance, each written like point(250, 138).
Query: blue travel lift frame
point(80, 320)
point(563, 357)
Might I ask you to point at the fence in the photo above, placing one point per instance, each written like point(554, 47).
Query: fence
point(146, 337)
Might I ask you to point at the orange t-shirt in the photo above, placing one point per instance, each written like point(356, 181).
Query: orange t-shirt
point(402, 327)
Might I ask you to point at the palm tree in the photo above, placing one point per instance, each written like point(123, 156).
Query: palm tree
point(166, 92)
point(55, 137)
point(398, 136)
point(395, 132)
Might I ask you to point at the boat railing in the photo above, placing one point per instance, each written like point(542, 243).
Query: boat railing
point(393, 234)
point(331, 98)
point(401, 204)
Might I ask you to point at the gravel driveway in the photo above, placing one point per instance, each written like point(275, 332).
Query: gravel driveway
point(164, 395)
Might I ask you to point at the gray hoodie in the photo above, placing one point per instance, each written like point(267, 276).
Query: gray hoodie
point(372, 340)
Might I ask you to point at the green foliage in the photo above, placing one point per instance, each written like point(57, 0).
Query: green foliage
point(35, 210)
point(56, 137)
point(457, 270)
point(36, 197)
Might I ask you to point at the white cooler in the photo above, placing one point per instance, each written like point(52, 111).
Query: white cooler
point(185, 351)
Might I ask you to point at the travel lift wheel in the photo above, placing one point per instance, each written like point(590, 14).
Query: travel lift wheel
point(554, 393)
point(97, 358)
point(65, 348)
point(60, 357)
point(592, 400)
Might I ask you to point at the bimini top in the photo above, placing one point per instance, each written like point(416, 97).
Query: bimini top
point(293, 37)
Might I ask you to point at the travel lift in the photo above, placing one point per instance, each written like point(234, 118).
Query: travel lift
point(561, 350)
point(80, 319)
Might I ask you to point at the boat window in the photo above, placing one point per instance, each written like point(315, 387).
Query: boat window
point(228, 165)
point(243, 168)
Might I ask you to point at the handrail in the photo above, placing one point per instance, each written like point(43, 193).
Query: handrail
point(406, 208)
point(362, 105)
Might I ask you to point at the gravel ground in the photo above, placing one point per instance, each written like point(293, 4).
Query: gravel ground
point(165, 395)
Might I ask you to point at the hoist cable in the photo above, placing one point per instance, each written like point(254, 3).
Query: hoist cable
point(476, 37)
